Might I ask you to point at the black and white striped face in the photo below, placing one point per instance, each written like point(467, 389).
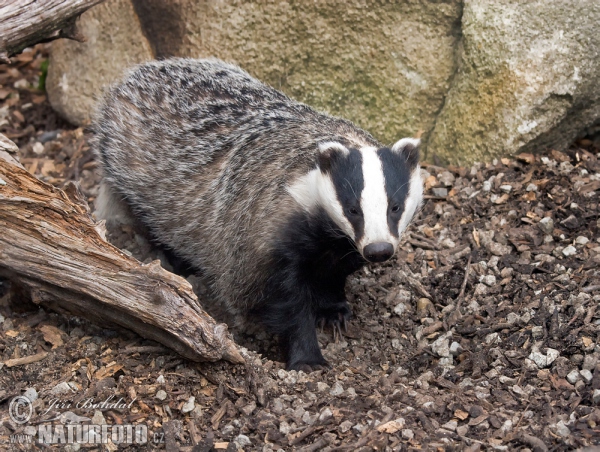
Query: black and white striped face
point(371, 194)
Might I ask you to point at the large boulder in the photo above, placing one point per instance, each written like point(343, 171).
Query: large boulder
point(481, 80)
point(385, 67)
point(79, 72)
point(528, 79)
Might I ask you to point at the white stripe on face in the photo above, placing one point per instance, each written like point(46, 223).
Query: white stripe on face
point(413, 200)
point(374, 201)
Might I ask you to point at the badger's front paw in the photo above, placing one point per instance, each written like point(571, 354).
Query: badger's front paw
point(337, 315)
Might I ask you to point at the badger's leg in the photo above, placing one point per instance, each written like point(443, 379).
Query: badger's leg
point(336, 314)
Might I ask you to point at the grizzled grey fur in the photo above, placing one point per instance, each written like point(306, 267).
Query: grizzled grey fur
point(203, 154)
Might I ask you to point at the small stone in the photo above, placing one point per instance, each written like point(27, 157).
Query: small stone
point(400, 309)
point(281, 373)
point(322, 387)
point(589, 362)
point(481, 290)
point(596, 396)
point(569, 251)
point(573, 376)
point(448, 243)
point(441, 346)
point(450, 425)
point(160, 380)
point(98, 418)
point(325, 415)
point(38, 148)
point(446, 178)
point(337, 389)
point(30, 394)
point(439, 192)
point(581, 240)
point(345, 426)
point(562, 430)
point(546, 224)
point(537, 332)
point(587, 375)
point(506, 188)
point(571, 222)
point(455, 349)
point(242, 441)
point(488, 280)
point(284, 427)
point(462, 430)
point(161, 394)
point(249, 409)
point(408, 433)
point(542, 360)
point(531, 187)
point(61, 388)
point(498, 249)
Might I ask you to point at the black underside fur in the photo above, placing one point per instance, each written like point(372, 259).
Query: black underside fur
point(310, 265)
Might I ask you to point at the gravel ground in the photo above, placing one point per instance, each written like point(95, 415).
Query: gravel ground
point(482, 334)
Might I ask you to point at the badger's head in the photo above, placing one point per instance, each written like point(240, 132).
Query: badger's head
point(371, 194)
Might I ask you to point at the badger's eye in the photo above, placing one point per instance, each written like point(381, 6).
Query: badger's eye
point(353, 211)
point(396, 208)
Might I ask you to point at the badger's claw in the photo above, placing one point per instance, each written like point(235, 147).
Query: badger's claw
point(337, 316)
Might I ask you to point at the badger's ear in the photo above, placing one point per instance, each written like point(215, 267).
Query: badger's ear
point(327, 154)
point(409, 147)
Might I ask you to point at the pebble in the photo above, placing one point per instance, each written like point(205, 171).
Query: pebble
point(440, 192)
point(589, 362)
point(569, 251)
point(506, 188)
point(61, 388)
point(462, 430)
point(573, 376)
point(284, 428)
point(325, 415)
point(242, 441)
point(48, 136)
point(337, 389)
point(581, 240)
point(542, 360)
point(160, 380)
point(596, 396)
point(537, 332)
point(498, 249)
point(562, 430)
point(345, 426)
point(38, 148)
point(31, 394)
point(487, 185)
point(98, 418)
point(409, 434)
point(441, 346)
point(587, 375)
point(322, 387)
point(446, 178)
point(400, 309)
point(190, 405)
point(531, 187)
point(488, 280)
point(546, 224)
point(455, 349)
point(450, 425)
point(161, 394)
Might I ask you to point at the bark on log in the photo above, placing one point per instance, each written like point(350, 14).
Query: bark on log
point(51, 247)
point(27, 22)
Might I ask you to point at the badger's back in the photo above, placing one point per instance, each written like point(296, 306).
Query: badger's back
point(202, 153)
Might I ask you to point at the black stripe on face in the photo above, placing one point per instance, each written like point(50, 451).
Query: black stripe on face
point(346, 174)
point(396, 172)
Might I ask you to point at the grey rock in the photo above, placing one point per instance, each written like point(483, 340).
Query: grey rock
point(242, 441)
point(546, 224)
point(31, 394)
point(538, 60)
point(440, 192)
point(190, 404)
point(569, 251)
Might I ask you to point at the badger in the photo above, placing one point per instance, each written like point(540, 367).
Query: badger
point(276, 204)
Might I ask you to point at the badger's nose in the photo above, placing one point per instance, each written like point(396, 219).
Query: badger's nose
point(378, 252)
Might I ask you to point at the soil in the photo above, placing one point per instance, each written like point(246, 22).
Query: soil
point(481, 334)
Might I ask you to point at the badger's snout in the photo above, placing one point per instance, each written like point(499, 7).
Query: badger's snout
point(378, 251)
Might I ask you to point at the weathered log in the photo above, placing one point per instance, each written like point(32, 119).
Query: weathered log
point(27, 22)
point(51, 248)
